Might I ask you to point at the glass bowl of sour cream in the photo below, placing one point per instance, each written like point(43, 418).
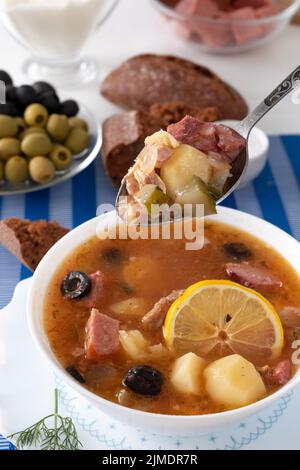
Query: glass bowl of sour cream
point(56, 32)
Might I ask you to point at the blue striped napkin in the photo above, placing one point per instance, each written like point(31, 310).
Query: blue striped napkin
point(5, 445)
point(274, 196)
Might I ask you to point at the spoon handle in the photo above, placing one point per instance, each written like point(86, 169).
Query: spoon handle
point(283, 89)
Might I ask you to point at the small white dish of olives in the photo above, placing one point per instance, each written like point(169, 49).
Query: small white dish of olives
point(40, 150)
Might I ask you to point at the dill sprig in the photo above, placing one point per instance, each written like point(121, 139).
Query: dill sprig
point(62, 436)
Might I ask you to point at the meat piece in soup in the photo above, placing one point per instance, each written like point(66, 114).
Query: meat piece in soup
point(129, 330)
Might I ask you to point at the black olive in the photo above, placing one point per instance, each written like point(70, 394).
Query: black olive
point(10, 109)
point(238, 251)
point(5, 77)
point(75, 285)
point(42, 87)
point(11, 93)
point(75, 374)
point(112, 256)
point(26, 95)
point(144, 380)
point(70, 108)
point(50, 100)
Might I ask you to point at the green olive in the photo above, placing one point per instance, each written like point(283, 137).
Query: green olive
point(21, 124)
point(32, 130)
point(78, 122)
point(8, 126)
point(58, 127)
point(1, 171)
point(9, 146)
point(61, 157)
point(36, 144)
point(41, 170)
point(36, 115)
point(16, 170)
point(77, 140)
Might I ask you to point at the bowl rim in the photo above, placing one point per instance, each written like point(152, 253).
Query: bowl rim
point(286, 12)
point(56, 366)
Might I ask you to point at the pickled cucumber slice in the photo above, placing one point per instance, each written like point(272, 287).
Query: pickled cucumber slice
point(151, 195)
point(197, 192)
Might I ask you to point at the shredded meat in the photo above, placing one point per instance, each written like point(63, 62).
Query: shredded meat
point(277, 375)
point(155, 318)
point(290, 317)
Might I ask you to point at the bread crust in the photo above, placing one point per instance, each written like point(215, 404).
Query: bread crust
point(29, 241)
point(149, 79)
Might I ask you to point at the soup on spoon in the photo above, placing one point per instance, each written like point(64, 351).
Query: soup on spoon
point(192, 163)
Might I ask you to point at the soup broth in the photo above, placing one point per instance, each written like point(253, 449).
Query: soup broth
point(138, 273)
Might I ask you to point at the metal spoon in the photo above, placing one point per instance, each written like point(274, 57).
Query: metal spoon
point(244, 128)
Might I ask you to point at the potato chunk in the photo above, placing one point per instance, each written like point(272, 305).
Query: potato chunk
point(186, 162)
point(132, 306)
point(234, 382)
point(134, 343)
point(137, 347)
point(186, 375)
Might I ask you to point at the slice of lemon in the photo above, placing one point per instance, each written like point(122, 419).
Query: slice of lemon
point(218, 318)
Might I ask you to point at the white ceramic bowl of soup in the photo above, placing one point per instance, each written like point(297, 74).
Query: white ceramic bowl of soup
point(277, 239)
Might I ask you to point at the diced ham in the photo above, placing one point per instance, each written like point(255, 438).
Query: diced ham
point(230, 142)
point(244, 33)
point(191, 131)
point(277, 375)
point(252, 276)
point(224, 34)
point(249, 3)
point(214, 35)
point(97, 292)
point(290, 317)
point(102, 336)
point(195, 7)
point(155, 318)
point(267, 10)
point(214, 139)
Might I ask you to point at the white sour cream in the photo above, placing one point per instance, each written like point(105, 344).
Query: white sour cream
point(53, 29)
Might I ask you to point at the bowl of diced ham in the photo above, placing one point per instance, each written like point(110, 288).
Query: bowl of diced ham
point(227, 26)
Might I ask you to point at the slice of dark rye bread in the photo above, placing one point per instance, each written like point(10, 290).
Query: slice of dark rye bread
point(29, 241)
point(149, 79)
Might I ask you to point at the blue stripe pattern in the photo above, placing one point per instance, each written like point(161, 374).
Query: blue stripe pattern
point(292, 147)
point(5, 445)
point(274, 195)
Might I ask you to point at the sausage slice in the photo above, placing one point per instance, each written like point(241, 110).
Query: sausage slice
point(102, 336)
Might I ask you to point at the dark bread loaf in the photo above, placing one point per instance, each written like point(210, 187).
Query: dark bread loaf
point(29, 241)
point(148, 79)
point(124, 134)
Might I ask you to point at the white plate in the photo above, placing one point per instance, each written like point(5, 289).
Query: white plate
point(79, 163)
point(26, 395)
